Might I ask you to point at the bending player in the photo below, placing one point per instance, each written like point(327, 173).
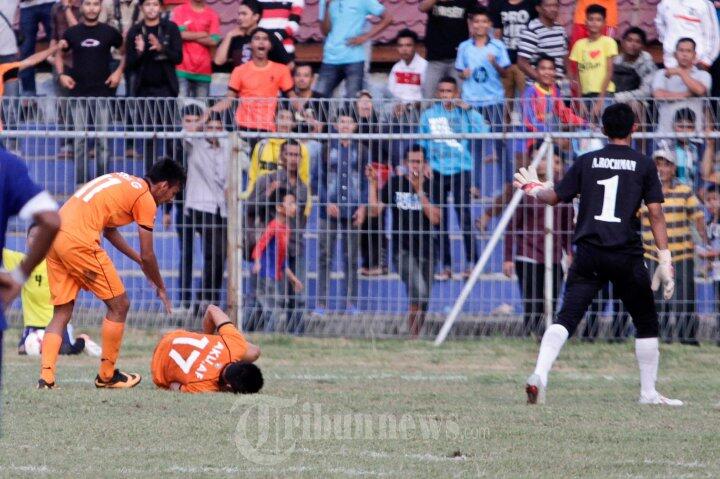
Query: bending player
point(612, 183)
point(77, 260)
point(217, 360)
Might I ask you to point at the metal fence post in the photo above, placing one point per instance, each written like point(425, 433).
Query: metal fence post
point(549, 246)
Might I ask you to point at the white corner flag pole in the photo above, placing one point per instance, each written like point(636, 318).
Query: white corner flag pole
point(494, 238)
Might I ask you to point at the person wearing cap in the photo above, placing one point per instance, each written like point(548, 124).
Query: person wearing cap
point(682, 211)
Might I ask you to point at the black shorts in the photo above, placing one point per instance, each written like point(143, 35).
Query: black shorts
point(591, 269)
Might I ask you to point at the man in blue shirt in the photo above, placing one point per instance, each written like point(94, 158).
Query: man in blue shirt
point(453, 163)
point(20, 196)
point(343, 195)
point(343, 21)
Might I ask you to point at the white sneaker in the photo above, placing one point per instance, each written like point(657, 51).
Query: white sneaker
point(91, 347)
point(535, 390)
point(659, 399)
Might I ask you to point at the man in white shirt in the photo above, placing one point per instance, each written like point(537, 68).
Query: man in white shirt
point(407, 75)
point(695, 19)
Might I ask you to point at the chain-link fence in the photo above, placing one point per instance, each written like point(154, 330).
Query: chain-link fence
point(391, 206)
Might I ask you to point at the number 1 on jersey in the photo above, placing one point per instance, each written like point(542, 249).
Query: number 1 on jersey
point(609, 199)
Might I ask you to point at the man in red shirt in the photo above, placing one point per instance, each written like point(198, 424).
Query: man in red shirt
point(257, 82)
point(200, 30)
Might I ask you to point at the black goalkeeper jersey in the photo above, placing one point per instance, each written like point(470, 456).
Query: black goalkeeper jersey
point(612, 184)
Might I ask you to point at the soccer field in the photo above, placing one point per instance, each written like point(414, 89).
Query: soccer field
point(339, 408)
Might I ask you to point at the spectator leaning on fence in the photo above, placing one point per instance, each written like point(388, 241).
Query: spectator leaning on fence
point(678, 87)
point(452, 163)
point(682, 212)
point(235, 46)
point(446, 28)
point(206, 204)
point(593, 57)
point(712, 253)
point(282, 18)
point(524, 252)
point(694, 19)
point(200, 30)
point(412, 199)
point(343, 22)
point(287, 177)
point(543, 35)
point(408, 74)
point(686, 151)
point(342, 191)
point(257, 84)
point(633, 71)
point(90, 43)
point(307, 106)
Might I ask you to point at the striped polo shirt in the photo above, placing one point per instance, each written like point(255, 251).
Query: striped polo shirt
point(682, 209)
point(552, 41)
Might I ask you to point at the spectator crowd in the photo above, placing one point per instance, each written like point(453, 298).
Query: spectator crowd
point(502, 68)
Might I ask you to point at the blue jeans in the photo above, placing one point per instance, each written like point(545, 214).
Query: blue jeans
point(330, 77)
point(193, 88)
point(30, 18)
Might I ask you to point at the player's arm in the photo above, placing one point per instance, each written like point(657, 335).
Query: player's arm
point(527, 180)
point(48, 224)
point(149, 265)
point(664, 273)
point(118, 241)
point(215, 318)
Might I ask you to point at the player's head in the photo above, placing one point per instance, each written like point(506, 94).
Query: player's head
point(90, 10)
point(166, 178)
point(249, 13)
point(633, 41)
point(242, 378)
point(684, 121)
point(712, 199)
point(284, 121)
point(665, 161)
point(260, 43)
point(618, 121)
point(447, 90)
point(32, 233)
point(479, 21)
point(406, 42)
point(285, 202)
point(415, 160)
point(290, 153)
point(545, 66)
point(151, 9)
point(595, 18)
point(685, 52)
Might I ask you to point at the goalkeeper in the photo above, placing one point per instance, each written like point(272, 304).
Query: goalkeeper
point(612, 183)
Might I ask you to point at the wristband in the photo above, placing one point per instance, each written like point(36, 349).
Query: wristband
point(18, 276)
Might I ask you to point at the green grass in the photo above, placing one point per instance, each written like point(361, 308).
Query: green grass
point(464, 401)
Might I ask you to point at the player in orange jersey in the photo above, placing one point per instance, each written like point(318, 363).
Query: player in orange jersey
point(77, 260)
point(217, 360)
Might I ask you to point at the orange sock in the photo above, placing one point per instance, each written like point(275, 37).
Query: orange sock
point(50, 350)
point(112, 333)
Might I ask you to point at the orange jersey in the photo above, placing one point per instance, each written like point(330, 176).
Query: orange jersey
point(7, 70)
point(109, 201)
point(258, 88)
point(196, 360)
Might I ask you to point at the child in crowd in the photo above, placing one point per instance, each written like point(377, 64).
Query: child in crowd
point(712, 203)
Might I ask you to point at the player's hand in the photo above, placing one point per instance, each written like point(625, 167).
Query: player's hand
point(664, 274)
point(66, 81)
point(9, 289)
point(508, 268)
point(162, 295)
point(527, 180)
point(114, 79)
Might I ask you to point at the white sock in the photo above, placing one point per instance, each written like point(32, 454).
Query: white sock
point(647, 352)
point(552, 343)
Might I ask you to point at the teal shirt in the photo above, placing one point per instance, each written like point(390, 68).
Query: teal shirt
point(347, 20)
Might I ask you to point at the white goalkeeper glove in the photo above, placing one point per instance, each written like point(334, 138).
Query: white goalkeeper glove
point(528, 181)
point(664, 274)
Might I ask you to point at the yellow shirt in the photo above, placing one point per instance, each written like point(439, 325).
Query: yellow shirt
point(265, 159)
point(35, 294)
point(592, 58)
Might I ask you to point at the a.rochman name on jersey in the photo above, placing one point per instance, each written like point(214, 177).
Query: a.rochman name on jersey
point(614, 164)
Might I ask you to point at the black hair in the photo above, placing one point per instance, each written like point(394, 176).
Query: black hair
point(255, 6)
point(544, 57)
point(215, 116)
point(618, 121)
point(192, 109)
point(141, 2)
point(263, 30)
point(168, 170)
point(477, 10)
point(712, 188)
point(595, 8)
point(407, 33)
point(289, 142)
point(448, 79)
point(535, 147)
point(303, 65)
point(345, 112)
point(243, 377)
point(414, 148)
point(686, 39)
point(636, 31)
point(684, 114)
point(278, 196)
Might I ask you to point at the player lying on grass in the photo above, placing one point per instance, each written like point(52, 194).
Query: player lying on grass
point(217, 360)
point(612, 183)
point(77, 260)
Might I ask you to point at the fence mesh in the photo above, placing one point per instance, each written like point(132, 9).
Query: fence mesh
point(363, 239)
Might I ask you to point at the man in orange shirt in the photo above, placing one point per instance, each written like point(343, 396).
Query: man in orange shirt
point(258, 83)
point(217, 360)
point(77, 260)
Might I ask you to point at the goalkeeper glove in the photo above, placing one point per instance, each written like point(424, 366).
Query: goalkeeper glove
point(528, 181)
point(664, 274)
